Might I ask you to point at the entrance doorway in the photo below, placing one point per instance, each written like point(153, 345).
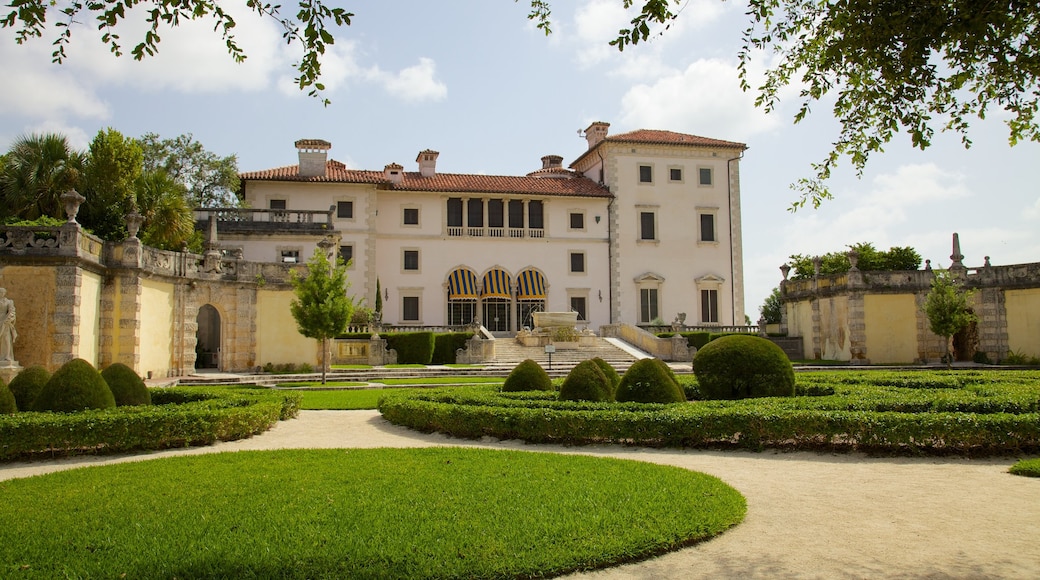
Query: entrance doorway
point(207, 345)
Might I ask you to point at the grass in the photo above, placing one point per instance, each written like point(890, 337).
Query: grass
point(444, 381)
point(349, 400)
point(318, 384)
point(1026, 467)
point(379, 513)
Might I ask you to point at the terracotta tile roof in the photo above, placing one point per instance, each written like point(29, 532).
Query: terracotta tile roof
point(657, 137)
point(671, 138)
point(336, 172)
point(312, 144)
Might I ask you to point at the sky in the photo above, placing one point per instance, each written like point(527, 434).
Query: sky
point(478, 82)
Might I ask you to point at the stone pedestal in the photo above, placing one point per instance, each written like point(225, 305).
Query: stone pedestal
point(8, 370)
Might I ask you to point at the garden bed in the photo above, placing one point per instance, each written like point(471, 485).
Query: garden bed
point(178, 417)
point(981, 412)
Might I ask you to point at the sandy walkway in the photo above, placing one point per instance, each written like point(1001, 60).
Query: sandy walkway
point(809, 515)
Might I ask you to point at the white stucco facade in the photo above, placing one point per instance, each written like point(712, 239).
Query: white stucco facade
point(644, 225)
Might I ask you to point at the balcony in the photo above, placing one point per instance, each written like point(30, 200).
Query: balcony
point(481, 232)
point(233, 220)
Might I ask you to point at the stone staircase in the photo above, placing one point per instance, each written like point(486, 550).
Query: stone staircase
point(509, 353)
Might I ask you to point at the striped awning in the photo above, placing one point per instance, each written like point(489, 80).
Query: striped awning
point(496, 284)
point(462, 283)
point(530, 285)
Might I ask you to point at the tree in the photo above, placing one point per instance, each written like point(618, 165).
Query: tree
point(308, 29)
point(870, 260)
point(893, 66)
point(168, 218)
point(321, 307)
point(37, 170)
point(112, 169)
point(208, 179)
point(772, 308)
point(948, 307)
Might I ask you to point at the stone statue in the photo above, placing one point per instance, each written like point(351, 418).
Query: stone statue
point(8, 334)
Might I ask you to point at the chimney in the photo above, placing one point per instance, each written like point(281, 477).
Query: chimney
point(394, 173)
point(427, 162)
point(313, 156)
point(596, 132)
point(552, 161)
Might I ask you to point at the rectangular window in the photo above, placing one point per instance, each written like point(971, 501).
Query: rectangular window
point(345, 210)
point(705, 175)
point(710, 306)
point(535, 219)
point(290, 256)
point(411, 260)
point(496, 219)
point(410, 308)
point(411, 216)
point(346, 253)
point(475, 213)
point(577, 262)
point(647, 305)
point(647, 225)
point(454, 212)
point(277, 204)
point(708, 227)
point(578, 305)
point(516, 213)
point(646, 174)
point(675, 174)
point(577, 221)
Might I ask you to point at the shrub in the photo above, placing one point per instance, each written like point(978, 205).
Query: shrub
point(74, 387)
point(127, 387)
point(586, 382)
point(412, 347)
point(306, 368)
point(610, 373)
point(1026, 468)
point(7, 404)
point(527, 376)
point(27, 385)
point(445, 346)
point(743, 366)
point(649, 380)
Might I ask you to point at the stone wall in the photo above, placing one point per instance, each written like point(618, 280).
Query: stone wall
point(878, 317)
point(79, 297)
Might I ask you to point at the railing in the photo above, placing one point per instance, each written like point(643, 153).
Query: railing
point(249, 219)
point(482, 232)
point(662, 328)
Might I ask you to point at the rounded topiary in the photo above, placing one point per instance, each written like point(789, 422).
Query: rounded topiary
point(127, 387)
point(743, 366)
point(527, 376)
point(27, 385)
point(649, 380)
point(74, 387)
point(7, 404)
point(586, 382)
point(610, 373)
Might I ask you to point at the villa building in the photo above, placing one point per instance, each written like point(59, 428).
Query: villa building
point(641, 227)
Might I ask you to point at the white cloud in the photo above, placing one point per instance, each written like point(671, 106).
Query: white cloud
point(413, 84)
point(1032, 212)
point(704, 99)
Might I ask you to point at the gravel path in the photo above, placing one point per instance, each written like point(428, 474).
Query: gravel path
point(809, 515)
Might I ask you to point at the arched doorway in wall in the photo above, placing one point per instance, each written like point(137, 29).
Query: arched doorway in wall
point(496, 298)
point(207, 346)
point(462, 297)
point(530, 296)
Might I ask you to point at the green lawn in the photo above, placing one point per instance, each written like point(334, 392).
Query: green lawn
point(376, 513)
point(346, 400)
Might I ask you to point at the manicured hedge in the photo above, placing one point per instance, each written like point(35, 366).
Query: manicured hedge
point(178, 417)
point(412, 347)
point(985, 416)
point(445, 346)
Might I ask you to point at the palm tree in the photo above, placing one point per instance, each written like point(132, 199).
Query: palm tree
point(38, 169)
point(168, 218)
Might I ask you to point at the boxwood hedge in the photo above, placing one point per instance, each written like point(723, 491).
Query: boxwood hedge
point(989, 413)
point(178, 417)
